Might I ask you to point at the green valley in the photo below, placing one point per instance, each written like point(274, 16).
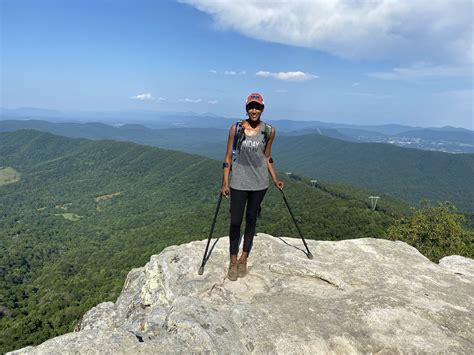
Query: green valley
point(86, 212)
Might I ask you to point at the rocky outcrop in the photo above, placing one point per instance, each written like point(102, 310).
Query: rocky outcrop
point(356, 296)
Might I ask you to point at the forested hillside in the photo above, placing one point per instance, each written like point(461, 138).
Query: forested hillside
point(82, 213)
point(409, 174)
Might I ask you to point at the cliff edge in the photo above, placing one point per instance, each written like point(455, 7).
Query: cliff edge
point(356, 296)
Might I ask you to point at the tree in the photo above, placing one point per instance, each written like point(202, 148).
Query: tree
point(435, 231)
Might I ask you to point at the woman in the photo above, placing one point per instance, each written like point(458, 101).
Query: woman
point(249, 180)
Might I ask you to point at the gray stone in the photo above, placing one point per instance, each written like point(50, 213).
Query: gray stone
point(458, 264)
point(90, 341)
point(356, 296)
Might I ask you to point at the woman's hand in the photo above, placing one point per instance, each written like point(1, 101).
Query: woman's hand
point(225, 190)
point(279, 184)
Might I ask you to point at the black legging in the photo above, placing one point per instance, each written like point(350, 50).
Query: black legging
point(238, 199)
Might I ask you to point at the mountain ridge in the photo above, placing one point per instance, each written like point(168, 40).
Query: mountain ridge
point(411, 178)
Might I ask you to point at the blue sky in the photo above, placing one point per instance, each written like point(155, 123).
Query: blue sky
point(367, 62)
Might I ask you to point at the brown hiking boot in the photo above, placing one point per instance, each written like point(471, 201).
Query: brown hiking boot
point(242, 269)
point(233, 272)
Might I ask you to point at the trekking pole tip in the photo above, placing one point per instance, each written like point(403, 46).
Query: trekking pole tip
point(201, 270)
point(309, 255)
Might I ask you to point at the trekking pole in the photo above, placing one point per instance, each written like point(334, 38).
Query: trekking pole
point(201, 269)
point(309, 255)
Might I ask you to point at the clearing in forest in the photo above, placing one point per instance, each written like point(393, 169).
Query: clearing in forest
point(104, 200)
point(70, 216)
point(8, 175)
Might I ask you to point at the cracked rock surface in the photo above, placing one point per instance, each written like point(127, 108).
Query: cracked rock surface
point(355, 296)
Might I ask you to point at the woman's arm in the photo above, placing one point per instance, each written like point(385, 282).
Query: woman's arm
point(268, 150)
point(227, 162)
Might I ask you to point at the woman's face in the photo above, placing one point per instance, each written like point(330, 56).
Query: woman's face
point(254, 111)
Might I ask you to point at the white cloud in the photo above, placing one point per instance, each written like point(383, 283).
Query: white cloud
point(423, 70)
point(143, 97)
point(287, 76)
point(193, 101)
point(355, 84)
point(234, 72)
point(161, 99)
point(435, 30)
point(458, 94)
point(213, 102)
point(229, 72)
point(370, 95)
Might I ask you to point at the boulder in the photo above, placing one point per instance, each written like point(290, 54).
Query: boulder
point(355, 296)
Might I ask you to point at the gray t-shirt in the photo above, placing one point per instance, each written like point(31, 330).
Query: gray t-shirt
point(250, 170)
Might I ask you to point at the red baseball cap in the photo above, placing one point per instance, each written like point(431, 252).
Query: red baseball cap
point(255, 97)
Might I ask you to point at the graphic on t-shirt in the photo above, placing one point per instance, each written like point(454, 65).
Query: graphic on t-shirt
point(251, 146)
point(249, 154)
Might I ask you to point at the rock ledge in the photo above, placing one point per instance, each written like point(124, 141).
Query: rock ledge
point(356, 296)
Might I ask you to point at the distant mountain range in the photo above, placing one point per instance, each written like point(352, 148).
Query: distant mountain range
point(183, 139)
point(410, 174)
point(446, 139)
point(449, 140)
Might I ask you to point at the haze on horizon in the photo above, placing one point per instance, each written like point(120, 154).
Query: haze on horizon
point(363, 63)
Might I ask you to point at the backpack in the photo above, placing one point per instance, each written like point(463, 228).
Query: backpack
point(239, 136)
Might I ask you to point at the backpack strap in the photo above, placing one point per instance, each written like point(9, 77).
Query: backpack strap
point(237, 140)
point(267, 133)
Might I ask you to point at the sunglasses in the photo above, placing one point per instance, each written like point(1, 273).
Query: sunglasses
point(254, 105)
